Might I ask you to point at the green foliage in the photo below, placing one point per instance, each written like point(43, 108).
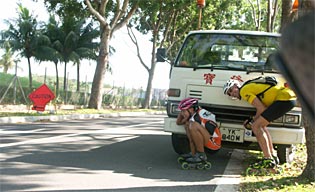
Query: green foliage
point(183, 16)
point(74, 111)
point(289, 180)
point(67, 9)
point(7, 84)
point(7, 60)
point(5, 79)
point(25, 38)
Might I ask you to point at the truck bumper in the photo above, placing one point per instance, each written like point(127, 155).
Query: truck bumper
point(292, 135)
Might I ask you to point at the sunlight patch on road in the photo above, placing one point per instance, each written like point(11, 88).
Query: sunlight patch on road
point(126, 131)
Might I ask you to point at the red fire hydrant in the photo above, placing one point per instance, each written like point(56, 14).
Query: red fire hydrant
point(40, 97)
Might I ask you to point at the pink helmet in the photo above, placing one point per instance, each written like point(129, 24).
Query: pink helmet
point(187, 103)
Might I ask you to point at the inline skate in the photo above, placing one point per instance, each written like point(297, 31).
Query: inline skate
point(264, 167)
point(197, 161)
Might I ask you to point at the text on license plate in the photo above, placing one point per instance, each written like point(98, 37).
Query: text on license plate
point(231, 134)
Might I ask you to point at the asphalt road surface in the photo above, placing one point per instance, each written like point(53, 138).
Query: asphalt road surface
point(111, 154)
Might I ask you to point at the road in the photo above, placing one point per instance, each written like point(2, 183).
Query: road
point(110, 154)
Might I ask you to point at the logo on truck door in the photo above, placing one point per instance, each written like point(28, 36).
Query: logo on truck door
point(237, 77)
point(208, 77)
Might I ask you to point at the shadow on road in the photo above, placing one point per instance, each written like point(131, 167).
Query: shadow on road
point(145, 156)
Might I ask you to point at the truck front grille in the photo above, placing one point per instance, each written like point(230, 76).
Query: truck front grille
point(224, 114)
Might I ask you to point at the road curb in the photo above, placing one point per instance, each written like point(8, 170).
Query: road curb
point(24, 119)
point(231, 173)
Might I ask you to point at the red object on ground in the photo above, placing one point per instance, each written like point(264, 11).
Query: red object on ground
point(40, 97)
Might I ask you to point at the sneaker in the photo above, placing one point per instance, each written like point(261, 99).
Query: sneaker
point(264, 163)
point(202, 156)
point(186, 155)
point(276, 159)
point(198, 157)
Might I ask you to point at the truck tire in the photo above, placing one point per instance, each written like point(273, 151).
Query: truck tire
point(180, 143)
point(285, 153)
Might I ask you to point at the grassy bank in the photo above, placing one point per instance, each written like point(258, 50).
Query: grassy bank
point(288, 181)
point(25, 111)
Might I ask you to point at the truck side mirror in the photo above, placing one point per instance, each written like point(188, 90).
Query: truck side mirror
point(161, 55)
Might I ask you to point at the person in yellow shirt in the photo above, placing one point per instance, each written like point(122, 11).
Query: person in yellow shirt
point(272, 104)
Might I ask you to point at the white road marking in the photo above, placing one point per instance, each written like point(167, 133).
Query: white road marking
point(112, 130)
point(3, 132)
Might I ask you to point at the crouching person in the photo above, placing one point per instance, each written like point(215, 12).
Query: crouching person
point(201, 129)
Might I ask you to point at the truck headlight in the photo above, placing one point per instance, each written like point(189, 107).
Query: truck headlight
point(292, 119)
point(174, 108)
point(288, 120)
point(279, 120)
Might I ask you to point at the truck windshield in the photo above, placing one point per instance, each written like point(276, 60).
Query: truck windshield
point(228, 51)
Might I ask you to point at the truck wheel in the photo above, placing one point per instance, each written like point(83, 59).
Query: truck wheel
point(285, 153)
point(180, 143)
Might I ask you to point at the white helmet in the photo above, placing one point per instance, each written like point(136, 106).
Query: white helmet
point(230, 83)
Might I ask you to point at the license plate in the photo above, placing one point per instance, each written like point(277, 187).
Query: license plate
point(233, 135)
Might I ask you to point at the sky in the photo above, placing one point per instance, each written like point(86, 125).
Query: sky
point(127, 70)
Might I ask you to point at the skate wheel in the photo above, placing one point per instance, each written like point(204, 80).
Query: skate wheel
point(180, 159)
point(185, 166)
point(208, 165)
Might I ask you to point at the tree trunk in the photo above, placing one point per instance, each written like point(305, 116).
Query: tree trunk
point(309, 171)
point(65, 78)
point(286, 13)
point(306, 6)
point(102, 62)
point(269, 15)
point(57, 80)
point(5, 69)
point(78, 77)
point(274, 15)
point(299, 64)
point(148, 94)
point(30, 74)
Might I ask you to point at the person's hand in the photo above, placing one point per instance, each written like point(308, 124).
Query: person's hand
point(182, 118)
point(248, 123)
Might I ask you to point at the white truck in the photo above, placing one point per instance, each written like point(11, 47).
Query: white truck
point(206, 60)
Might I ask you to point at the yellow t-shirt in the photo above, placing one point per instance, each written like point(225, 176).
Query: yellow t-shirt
point(276, 93)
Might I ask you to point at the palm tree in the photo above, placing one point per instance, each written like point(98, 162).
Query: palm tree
point(75, 42)
point(24, 37)
point(7, 60)
point(53, 31)
point(85, 48)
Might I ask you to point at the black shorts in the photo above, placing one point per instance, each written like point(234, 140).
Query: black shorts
point(278, 109)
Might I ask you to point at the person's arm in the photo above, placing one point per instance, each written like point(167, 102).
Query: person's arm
point(181, 119)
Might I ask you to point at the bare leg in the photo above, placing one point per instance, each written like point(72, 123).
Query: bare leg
point(200, 135)
point(262, 136)
point(271, 148)
point(191, 143)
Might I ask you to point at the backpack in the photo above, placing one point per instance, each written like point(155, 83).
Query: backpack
point(269, 80)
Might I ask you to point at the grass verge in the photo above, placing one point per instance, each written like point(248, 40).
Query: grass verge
point(288, 181)
point(72, 111)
